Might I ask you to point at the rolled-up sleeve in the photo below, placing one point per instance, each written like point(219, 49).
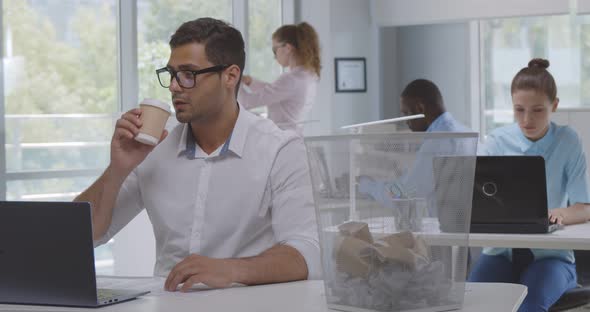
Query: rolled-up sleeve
point(127, 206)
point(258, 85)
point(293, 213)
point(577, 184)
point(269, 94)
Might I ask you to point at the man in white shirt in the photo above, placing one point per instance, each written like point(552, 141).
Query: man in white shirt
point(228, 193)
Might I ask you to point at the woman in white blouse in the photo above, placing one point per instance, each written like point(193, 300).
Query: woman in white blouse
point(291, 96)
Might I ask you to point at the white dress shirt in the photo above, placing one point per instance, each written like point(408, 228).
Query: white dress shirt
point(250, 194)
point(288, 99)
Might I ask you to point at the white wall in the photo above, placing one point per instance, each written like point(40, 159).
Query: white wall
point(440, 53)
point(354, 35)
point(389, 73)
point(317, 13)
point(346, 29)
point(418, 12)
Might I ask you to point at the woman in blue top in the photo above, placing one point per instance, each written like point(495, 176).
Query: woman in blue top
point(546, 273)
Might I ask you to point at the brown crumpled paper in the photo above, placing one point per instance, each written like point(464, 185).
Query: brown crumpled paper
point(359, 230)
point(356, 252)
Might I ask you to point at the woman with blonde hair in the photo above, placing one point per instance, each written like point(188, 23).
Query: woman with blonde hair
point(291, 96)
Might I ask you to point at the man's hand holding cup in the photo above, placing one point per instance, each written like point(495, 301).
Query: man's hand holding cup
point(137, 132)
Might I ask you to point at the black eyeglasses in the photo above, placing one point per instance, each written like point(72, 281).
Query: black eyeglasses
point(185, 78)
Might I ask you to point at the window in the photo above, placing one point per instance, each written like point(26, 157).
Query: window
point(60, 94)
point(264, 18)
point(61, 88)
point(509, 44)
point(157, 20)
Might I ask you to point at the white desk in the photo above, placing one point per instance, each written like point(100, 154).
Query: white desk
point(570, 237)
point(305, 296)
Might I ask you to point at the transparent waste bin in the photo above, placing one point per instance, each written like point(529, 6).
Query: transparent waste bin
point(393, 212)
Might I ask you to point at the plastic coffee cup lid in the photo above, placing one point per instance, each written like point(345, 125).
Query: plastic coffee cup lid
point(156, 103)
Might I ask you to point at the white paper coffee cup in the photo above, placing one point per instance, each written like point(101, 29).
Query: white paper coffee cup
point(154, 115)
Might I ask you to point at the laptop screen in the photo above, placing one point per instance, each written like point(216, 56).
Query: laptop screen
point(46, 253)
point(509, 189)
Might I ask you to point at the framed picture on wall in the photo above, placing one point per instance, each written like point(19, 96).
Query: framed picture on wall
point(351, 74)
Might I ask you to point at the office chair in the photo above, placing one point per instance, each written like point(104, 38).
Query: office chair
point(573, 298)
point(580, 295)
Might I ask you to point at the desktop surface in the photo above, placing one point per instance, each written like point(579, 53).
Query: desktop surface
point(576, 236)
point(306, 296)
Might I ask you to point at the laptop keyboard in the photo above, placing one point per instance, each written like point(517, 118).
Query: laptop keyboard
point(106, 294)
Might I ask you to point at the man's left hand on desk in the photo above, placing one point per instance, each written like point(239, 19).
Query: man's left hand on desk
point(215, 273)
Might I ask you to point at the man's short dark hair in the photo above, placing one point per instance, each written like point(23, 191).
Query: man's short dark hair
point(425, 91)
point(223, 43)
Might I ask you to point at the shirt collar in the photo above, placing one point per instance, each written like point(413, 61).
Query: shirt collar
point(439, 120)
point(240, 131)
point(188, 147)
point(540, 145)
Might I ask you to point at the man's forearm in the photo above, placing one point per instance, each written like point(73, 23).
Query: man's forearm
point(102, 195)
point(281, 263)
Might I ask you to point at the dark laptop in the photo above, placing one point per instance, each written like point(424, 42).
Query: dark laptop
point(47, 256)
point(510, 195)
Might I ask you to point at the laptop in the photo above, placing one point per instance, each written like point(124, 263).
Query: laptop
point(47, 256)
point(510, 196)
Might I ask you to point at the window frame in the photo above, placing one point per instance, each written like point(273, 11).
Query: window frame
point(478, 82)
point(3, 173)
point(127, 78)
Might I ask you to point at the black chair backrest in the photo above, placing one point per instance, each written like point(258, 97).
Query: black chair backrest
point(583, 266)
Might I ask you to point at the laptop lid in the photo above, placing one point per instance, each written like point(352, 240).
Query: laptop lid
point(453, 187)
point(509, 189)
point(47, 254)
